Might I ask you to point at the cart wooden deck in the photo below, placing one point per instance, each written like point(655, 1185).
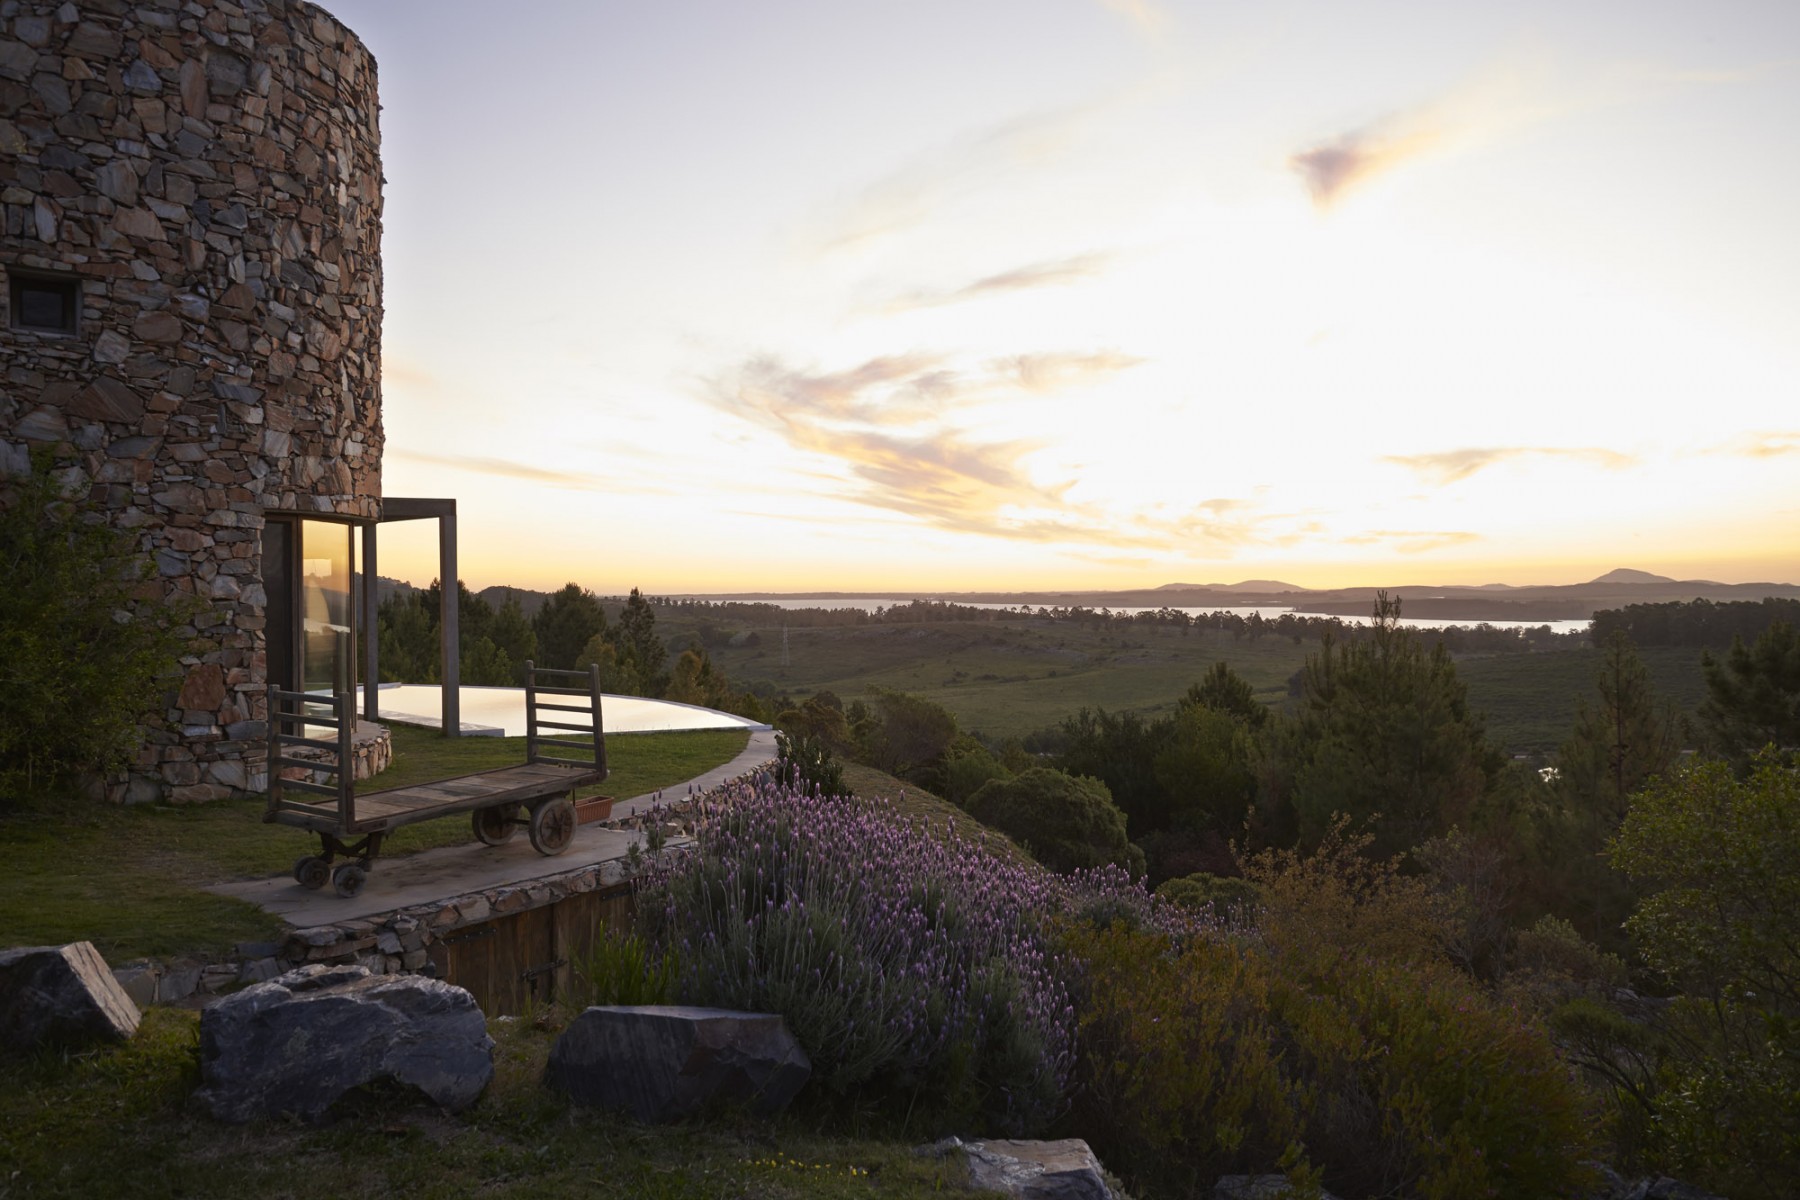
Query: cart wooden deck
point(318, 793)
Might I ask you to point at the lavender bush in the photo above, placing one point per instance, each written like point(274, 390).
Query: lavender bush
point(903, 959)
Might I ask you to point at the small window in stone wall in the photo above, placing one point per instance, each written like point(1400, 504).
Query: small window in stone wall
point(44, 303)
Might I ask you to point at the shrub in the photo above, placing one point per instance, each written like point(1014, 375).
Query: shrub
point(1215, 1055)
point(967, 766)
point(1722, 923)
point(1068, 822)
point(1234, 898)
point(82, 657)
point(623, 968)
point(806, 764)
point(908, 966)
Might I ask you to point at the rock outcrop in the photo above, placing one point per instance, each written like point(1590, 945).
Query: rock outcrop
point(61, 995)
point(663, 1063)
point(296, 1044)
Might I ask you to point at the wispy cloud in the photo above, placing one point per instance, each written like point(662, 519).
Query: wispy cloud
point(1055, 372)
point(1333, 167)
point(889, 425)
point(1413, 541)
point(1451, 466)
point(913, 193)
point(1759, 444)
point(506, 468)
point(1055, 273)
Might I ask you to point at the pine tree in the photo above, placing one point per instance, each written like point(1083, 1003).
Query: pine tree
point(1385, 735)
point(1754, 695)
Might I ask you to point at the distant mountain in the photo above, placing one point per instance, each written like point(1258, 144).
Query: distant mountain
point(1248, 585)
point(1627, 575)
point(1495, 587)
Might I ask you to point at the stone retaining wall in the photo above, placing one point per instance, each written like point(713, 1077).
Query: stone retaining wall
point(391, 943)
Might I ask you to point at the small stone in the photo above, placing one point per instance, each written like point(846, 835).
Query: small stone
point(111, 347)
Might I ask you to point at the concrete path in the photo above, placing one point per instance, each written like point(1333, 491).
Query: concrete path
point(433, 875)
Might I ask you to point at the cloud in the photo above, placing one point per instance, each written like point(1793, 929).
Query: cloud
point(506, 468)
point(1055, 273)
point(1334, 167)
point(912, 194)
point(1055, 372)
point(1759, 444)
point(1413, 541)
point(888, 426)
point(1452, 466)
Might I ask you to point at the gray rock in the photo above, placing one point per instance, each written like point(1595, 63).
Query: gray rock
point(1256, 1187)
point(667, 1062)
point(61, 995)
point(1065, 1170)
point(296, 1044)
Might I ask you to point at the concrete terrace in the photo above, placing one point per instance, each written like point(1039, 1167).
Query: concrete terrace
point(435, 875)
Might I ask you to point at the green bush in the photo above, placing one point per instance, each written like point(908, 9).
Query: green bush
point(806, 764)
point(1068, 822)
point(1383, 1078)
point(1721, 858)
point(623, 968)
point(1237, 899)
point(84, 656)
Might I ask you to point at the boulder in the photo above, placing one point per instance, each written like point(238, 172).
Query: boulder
point(61, 995)
point(296, 1044)
point(1064, 1170)
point(663, 1063)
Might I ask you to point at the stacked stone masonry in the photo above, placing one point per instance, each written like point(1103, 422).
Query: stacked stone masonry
point(208, 174)
point(392, 943)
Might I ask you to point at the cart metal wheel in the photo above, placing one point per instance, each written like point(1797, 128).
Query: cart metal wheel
point(311, 871)
point(495, 824)
point(552, 826)
point(349, 879)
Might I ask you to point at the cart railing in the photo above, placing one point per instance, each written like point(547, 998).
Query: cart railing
point(291, 716)
point(567, 717)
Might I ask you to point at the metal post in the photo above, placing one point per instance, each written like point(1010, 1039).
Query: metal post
point(371, 636)
point(448, 589)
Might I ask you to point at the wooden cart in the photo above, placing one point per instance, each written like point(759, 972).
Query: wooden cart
point(319, 793)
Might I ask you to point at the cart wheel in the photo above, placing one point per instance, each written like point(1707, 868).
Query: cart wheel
point(311, 871)
point(495, 824)
point(552, 826)
point(348, 879)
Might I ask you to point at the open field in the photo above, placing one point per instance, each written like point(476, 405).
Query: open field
point(129, 879)
point(1010, 678)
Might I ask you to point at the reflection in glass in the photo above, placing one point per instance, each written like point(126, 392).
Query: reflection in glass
point(325, 612)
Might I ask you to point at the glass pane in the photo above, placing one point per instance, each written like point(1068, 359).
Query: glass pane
point(325, 612)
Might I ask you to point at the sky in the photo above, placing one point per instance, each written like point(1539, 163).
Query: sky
point(704, 296)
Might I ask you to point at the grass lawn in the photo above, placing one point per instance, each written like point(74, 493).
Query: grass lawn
point(117, 1121)
point(129, 879)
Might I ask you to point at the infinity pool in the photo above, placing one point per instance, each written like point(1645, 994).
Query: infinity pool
point(500, 712)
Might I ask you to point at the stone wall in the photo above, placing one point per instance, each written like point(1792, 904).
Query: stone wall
point(209, 174)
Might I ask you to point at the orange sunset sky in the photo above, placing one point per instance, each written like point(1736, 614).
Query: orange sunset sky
point(1014, 294)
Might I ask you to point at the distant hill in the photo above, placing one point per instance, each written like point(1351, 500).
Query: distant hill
point(1627, 575)
point(1262, 586)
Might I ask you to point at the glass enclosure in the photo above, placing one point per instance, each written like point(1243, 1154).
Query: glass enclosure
point(325, 606)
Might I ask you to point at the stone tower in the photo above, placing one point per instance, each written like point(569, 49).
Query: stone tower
point(191, 322)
